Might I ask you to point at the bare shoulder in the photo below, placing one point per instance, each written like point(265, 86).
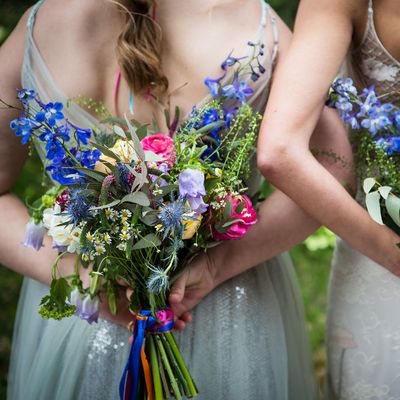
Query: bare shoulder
point(72, 20)
point(75, 39)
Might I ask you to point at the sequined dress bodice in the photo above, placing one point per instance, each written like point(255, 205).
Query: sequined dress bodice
point(373, 65)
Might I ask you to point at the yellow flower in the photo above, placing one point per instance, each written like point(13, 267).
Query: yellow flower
point(124, 149)
point(191, 227)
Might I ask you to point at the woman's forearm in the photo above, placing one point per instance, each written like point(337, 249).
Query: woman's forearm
point(26, 261)
point(322, 38)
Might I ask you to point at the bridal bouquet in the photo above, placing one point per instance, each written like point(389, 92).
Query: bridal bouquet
point(376, 126)
point(136, 205)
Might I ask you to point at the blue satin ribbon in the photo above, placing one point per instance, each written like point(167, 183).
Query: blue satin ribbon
point(145, 322)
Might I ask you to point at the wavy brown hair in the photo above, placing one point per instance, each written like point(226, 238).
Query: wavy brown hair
point(139, 47)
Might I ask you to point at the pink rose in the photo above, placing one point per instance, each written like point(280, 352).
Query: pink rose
point(247, 216)
point(161, 145)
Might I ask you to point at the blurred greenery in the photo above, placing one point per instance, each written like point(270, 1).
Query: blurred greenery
point(311, 258)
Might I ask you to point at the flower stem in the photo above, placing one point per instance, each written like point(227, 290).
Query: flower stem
point(173, 380)
point(175, 366)
point(174, 346)
point(158, 392)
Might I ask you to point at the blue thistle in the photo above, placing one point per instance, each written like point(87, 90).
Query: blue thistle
point(78, 207)
point(123, 174)
point(158, 280)
point(171, 217)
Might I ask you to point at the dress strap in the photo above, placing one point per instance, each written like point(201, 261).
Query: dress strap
point(32, 17)
point(275, 33)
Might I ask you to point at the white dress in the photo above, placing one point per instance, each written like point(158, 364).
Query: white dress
point(363, 307)
point(248, 338)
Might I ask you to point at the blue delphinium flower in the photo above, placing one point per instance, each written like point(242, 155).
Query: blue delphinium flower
point(78, 207)
point(210, 116)
point(371, 100)
point(390, 145)
point(229, 115)
point(396, 118)
point(88, 158)
point(237, 90)
point(378, 118)
point(51, 114)
point(213, 86)
point(62, 170)
point(82, 135)
point(34, 235)
point(343, 96)
point(24, 127)
point(26, 95)
point(171, 216)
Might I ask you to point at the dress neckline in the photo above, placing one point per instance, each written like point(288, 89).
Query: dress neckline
point(94, 119)
point(371, 27)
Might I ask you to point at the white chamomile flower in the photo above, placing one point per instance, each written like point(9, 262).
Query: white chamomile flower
point(125, 213)
point(121, 246)
point(108, 212)
point(85, 257)
point(107, 238)
point(99, 250)
point(115, 229)
point(125, 229)
point(124, 220)
point(89, 237)
point(125, 236)
point(114, 215)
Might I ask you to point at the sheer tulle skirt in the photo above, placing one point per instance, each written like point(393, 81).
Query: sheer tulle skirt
point(248, 340)
point(363, 335)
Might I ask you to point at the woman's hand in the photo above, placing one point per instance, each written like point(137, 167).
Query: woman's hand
point(195, 283)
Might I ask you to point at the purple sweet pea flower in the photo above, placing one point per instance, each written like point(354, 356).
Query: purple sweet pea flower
point(86, 307)
point(191, 186)
point(34, 235)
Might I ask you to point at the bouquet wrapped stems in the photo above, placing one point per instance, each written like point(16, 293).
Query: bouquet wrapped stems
point(156, 361)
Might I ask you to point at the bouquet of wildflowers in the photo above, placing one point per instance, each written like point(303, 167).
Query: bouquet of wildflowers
point(136, 204)
point(376, 127)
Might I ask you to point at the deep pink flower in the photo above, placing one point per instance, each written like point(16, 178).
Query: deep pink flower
point(247, 216)
point(161, 145)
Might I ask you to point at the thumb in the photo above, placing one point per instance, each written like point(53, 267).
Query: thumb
point(177, 292)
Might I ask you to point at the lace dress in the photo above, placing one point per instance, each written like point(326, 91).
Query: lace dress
point(248, 337)
point(363, 316)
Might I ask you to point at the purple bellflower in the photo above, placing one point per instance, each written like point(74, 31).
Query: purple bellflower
point(34, 235)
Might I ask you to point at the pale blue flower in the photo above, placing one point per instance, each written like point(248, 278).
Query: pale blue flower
point(87, 308)
point(34, 235)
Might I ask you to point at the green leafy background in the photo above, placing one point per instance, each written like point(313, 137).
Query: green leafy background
point(311, 258)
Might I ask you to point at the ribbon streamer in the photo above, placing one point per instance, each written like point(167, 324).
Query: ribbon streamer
point(144, 323)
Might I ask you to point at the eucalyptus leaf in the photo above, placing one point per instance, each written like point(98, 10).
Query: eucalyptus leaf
point(106, 151)
point(137, 198)
point(149, 240)
point(393, 208)
point(231, 222)
point(372, 201)
point(109, 205)
point(150, 156)
point(369, 183)
point(384, 191)
point(96, 175)
point(119, 131)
